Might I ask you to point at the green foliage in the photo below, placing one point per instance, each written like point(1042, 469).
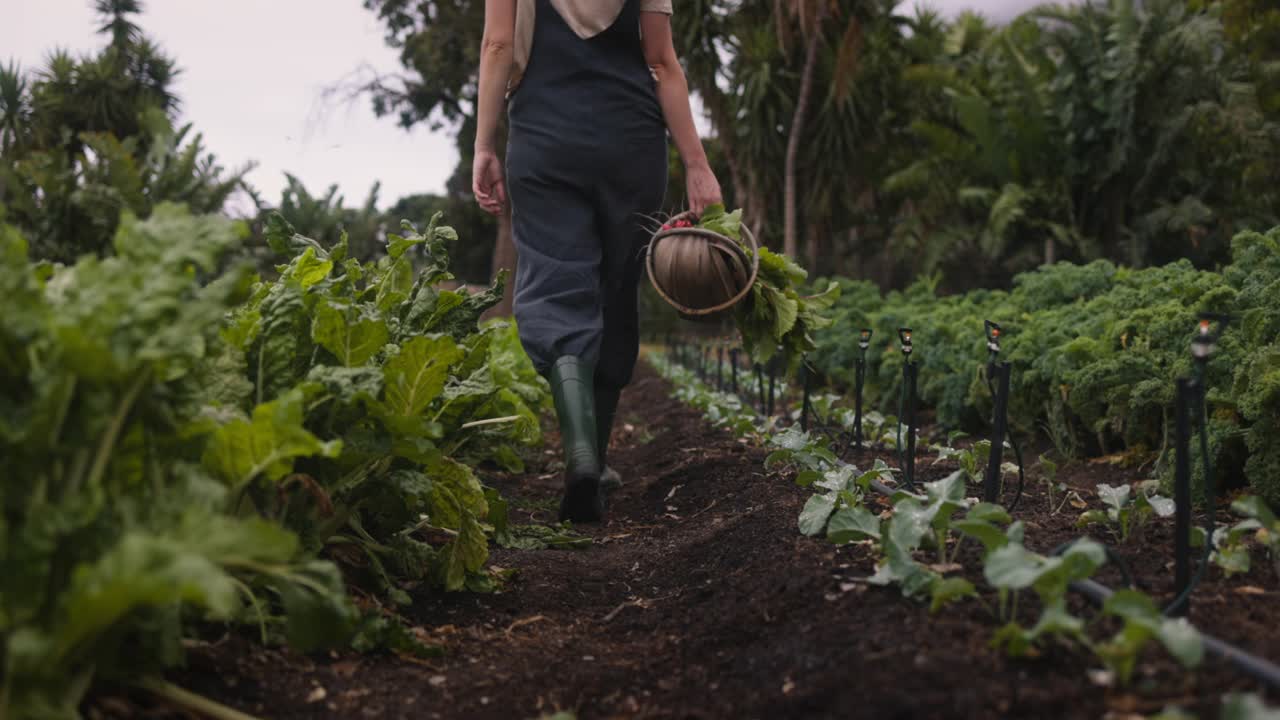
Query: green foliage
point(1095, 351)
point(1230, 544)
point(384, 381)
point(185, 443)
point(112, 530)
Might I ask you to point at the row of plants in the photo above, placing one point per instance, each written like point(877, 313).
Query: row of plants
point(186, 441)
point(918, 541)
point(1095, 349)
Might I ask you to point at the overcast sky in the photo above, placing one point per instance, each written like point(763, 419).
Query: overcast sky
point(252, 76)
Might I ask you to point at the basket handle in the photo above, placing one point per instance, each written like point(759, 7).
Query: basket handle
point(754, 253)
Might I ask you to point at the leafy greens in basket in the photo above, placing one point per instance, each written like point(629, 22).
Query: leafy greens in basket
point(774, 317)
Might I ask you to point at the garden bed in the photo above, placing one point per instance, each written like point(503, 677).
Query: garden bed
point(699, 598)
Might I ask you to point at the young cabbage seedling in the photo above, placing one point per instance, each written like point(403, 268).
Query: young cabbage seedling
point(1231, 548)
point(1126, 510)
point(1053, 487)
point(807, 453)
point(1142, 622)
point(918, 520)
point(1012, 569)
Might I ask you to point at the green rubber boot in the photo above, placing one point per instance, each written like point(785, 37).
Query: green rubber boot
point(572, 389)
point(606, 411)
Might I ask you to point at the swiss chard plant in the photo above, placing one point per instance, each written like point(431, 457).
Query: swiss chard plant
point(405, 391)
point(837, 508)
point(114, 529)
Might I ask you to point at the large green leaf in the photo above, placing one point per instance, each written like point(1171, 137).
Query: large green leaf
point(853, 523)
point(1182, 641)
point(308, 269)
point(318, 612)
point(463, 486)
point(1012, 567)
point(467, 553)
point(1253, 507)
point(353, 334)
point(991, 537)
point(266, 444)
point(813, 518)
point(416, 377)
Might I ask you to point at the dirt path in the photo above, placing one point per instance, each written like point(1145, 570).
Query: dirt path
point(699, 599)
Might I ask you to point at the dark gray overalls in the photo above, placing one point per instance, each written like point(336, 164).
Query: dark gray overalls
point(586, 163)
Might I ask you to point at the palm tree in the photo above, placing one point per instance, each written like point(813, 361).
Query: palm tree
point(15, 109)
point(116, 21)
point(810, 16)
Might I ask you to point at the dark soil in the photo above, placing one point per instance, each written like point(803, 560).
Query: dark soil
point(700, 599)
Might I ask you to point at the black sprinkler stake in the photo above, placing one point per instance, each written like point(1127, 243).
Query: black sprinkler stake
point(773, 378)
point(909, 377)
point(805, 406)
point(864, 341)
point(760, 388)
point(999, 427)
point(1182, 491)
point(720, 367)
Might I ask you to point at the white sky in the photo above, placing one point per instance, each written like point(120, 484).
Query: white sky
point(252, 75)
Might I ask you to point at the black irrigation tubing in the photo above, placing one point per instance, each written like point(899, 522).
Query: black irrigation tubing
point(1260, 668)
point(1257, 667)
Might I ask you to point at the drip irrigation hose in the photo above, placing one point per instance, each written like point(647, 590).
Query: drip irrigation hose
point(1178, 605)
point(1259, 668)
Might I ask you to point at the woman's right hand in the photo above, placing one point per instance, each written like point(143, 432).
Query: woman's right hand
point(702, 187)
point(487, 183)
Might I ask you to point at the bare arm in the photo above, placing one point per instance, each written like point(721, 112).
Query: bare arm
point(673, 96)
point(495, 70)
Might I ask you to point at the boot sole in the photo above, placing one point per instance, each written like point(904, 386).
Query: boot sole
point(582, 501)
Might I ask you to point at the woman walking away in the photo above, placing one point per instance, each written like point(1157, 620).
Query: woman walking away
point(591, 86)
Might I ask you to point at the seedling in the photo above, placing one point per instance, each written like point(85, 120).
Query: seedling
point(1012, 569)
point(1143, 623)
point(1126, 511)
point(1054, 488)
point(971, 459)
point(802, 451)
point(917, 520)
point(1231, 548)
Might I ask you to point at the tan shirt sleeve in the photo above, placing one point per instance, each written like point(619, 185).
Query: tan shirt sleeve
point(522, 43)
point(658, 6)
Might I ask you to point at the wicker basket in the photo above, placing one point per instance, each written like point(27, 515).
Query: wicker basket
point(701, 273)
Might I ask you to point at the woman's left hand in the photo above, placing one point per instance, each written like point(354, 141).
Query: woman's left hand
point(703, 188)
